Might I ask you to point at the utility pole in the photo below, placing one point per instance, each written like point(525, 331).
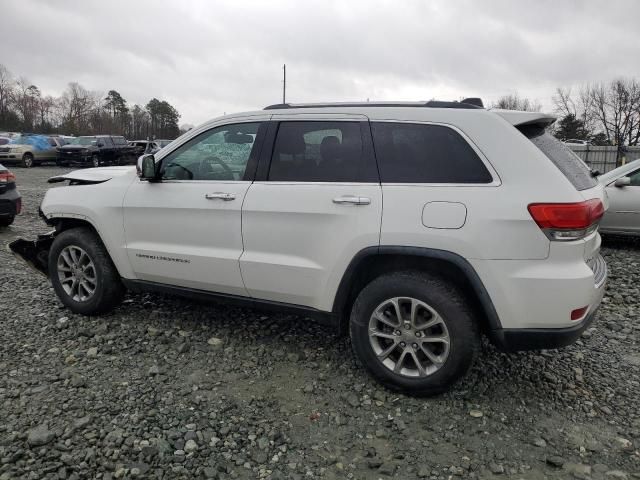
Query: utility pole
point(284, 83)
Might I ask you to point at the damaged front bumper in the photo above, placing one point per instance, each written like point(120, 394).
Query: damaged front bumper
point(34, 252)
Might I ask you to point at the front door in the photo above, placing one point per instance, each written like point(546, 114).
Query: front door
point(318, 205)
point(185, 230)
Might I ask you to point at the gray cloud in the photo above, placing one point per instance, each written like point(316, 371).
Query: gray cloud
point(207, 58)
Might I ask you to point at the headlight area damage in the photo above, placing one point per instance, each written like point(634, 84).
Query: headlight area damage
point(34, 252)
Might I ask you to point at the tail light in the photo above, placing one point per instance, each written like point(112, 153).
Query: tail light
point(7, 177)
point(567, 221)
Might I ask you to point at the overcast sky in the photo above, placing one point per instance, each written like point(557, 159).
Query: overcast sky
point(209, 57)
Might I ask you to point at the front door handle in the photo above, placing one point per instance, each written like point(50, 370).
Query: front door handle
point(352, 200)
point(220, 196)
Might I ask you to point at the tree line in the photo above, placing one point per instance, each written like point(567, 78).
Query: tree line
point(79, 111)
point(603, 113)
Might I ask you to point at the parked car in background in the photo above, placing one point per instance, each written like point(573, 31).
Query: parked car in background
point(10, 200)
point(490, 225)
point(623, 189)
point(96, 150)
point(29, 150)
point(148, 146)
point(575, 141)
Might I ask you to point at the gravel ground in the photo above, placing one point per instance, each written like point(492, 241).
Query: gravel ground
point(166, 388)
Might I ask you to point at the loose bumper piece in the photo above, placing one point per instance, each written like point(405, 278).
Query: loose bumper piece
point(34, 252)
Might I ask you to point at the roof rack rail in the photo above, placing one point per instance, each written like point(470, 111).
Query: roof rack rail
point(467, 103)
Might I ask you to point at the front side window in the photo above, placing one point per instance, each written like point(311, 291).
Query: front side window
point(319, 152)
point(221, 153)
point(419, 153)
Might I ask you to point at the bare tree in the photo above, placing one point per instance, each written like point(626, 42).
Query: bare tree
point(515, 102)
point(25, 98)
point(76, 106)
point(6, 92)
point(616, 106)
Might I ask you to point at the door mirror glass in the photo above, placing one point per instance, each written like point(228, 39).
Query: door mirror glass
point(146, 167)
point(622, 182)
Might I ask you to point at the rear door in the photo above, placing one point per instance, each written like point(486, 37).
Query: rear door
point(316, 203)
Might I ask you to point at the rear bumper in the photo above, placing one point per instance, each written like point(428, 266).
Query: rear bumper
point(521, 339)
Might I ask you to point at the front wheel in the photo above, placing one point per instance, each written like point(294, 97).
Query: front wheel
point(414, 332)
point(27, 160)
point(82, 273)
point(95, 161)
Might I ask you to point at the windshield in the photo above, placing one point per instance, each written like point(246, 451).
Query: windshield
point(83, 141)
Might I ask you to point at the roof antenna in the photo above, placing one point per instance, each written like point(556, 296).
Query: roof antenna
point(284, 83)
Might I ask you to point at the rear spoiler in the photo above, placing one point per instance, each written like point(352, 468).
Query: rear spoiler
point(522, 119)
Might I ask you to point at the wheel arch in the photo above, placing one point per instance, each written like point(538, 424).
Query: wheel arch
point(372, 262)
point(63, 223)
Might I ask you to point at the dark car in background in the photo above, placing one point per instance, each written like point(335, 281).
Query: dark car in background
point(96, 150)
point(10, 200)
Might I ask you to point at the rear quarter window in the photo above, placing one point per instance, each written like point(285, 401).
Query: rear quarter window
point(421, 153)
point(571, 166)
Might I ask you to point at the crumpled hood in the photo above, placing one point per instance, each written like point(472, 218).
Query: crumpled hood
point(94, 175)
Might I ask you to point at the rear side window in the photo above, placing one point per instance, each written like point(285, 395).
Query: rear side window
point(562, 157)
point(417, 153)
point(320, 152)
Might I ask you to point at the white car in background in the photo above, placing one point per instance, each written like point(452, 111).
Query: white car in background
point(623, 189)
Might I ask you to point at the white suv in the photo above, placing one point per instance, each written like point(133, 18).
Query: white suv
point(414, 226)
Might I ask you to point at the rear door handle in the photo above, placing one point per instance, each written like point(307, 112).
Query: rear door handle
point(352, 200)
point(220, 196)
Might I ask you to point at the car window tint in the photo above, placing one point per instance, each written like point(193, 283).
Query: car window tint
point(221, 153)
point(319, 152)
point(418, 153)
point(635, 178)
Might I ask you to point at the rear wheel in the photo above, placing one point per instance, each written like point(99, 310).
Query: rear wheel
point(95, 160)
point(414, 332)
point(27, 160)
point(6, 221)
point(82, 273)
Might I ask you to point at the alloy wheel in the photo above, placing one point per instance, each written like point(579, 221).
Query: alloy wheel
point(409, 337)
point(77, 273)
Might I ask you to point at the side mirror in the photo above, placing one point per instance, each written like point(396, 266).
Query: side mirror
point(622, 182)
point(146, 167)
point(100, 144)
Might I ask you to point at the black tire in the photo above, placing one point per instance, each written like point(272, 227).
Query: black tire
point(6, 221)
point(109, 289)
point(27, 160)
point(95, 161)
point(452, 308)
